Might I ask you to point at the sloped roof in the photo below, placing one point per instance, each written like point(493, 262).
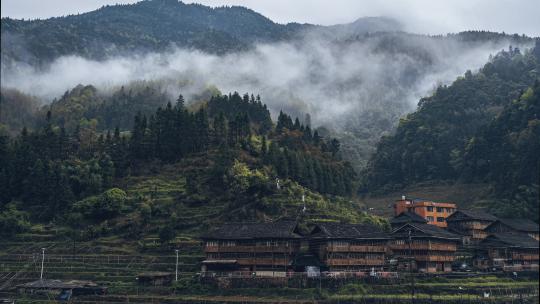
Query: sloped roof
point(428, 230)
point(348, 231)
point(280, 230)
point(521, 240)
point(464, 214)
point(58, 284)
point(406, 217)
point(525, 225)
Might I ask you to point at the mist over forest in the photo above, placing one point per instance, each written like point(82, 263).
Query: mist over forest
point(354, 84)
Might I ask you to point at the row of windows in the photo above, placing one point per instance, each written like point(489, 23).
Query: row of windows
point(432, 219)
point(440, 209)
point(368, 256)
point(259, 243)
point(245, 255)
point(356, 243)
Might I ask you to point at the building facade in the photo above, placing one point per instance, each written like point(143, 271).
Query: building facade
point(525, 226)
point(258, 248)
point(435, 213)
point(348, 247)
point(508, 251)
point(470, 224)
point(424, 248)
point(406, 217)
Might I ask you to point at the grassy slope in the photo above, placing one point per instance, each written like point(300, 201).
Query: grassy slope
point(464, 195)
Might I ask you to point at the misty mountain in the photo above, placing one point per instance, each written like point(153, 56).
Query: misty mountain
point(355, 80)
point(154, 25)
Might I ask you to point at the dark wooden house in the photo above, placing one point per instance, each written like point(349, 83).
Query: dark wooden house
point(515, 226)
point(348, 247)
point(406, 217)
point(470, 224)
point(60, 287)
point(508, 251)
point(265, 249)
point(155, 278)
point(424, 247)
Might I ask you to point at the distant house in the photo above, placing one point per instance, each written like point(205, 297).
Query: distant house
point(424, 247)
point(155, 278)
point(514, 225)
point(406, 217)
point(258, 248)
point(470, 224)
point(349, 247)
point(62, 288)
point(435, 213)
point(508, 251)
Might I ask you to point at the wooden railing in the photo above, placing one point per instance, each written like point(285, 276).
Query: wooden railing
point(354, 262)
point(249, 249)
point(434, 258)
point(525, 257)
point(263, 261)
point(356, 248)
point(427, 246)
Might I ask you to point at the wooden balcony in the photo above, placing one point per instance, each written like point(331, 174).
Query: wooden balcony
point(356, 248)
point(434, 258)
point(427, 246)
point(263, 261)
point(354, 262)
point(525, 257)
point(249, 249)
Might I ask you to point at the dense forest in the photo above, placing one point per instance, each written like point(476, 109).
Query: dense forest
point(59, 170)
point(481, 128)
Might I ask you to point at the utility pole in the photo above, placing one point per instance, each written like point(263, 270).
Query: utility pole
point(176, 277)
point(410, 266)
point(42, 263)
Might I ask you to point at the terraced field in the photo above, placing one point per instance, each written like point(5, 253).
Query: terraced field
point(20, 263)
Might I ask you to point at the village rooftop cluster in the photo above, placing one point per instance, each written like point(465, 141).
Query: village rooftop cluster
point(425, 237)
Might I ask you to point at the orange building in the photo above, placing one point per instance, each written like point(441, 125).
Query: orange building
point(434, 213)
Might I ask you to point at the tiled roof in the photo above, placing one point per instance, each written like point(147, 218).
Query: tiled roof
point(463, 214)
point(510, 239)
point(428, 230)
point(348, 231)
point(406, 217)
point(520, 224)
point(58, 284)
point(280, 230)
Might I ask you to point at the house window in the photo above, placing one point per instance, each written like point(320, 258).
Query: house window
point(440, 209)
point(430, 208)
point(430, 218)
point(440, 219)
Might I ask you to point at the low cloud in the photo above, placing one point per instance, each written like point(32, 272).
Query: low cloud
point(336, 82)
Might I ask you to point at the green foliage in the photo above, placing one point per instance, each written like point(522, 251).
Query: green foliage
point(13, 221)
point(241, 179)
point(104, 206)
point(471, 131)
point(166, 234)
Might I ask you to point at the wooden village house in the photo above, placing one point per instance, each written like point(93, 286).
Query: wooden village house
point(406, 217)
point(348, 247)
point(424, 247)
point(470, 225)
point(507, 251)
point(260, 249)
point(515, 226)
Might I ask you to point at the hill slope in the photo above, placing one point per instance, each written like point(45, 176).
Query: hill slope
point(457, 133)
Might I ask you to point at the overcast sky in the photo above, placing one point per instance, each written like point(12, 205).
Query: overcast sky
point(420, 16)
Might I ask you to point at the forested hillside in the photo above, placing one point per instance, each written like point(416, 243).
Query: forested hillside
point(145, 26)
point(471, 131)
point(228, 155)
